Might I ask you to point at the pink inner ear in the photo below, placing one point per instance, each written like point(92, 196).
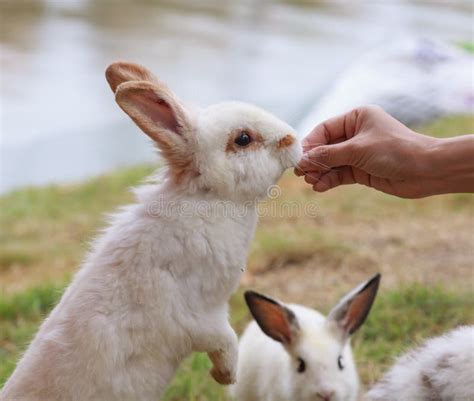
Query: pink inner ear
point(357, 311)
point(156, 109)
point(271, 318)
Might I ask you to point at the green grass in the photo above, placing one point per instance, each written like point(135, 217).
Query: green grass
point(398, 319)
point(294, 243)
point(59, 203)
point(404, 317)
point(469, 46)
point(449, 126)
point(37, 224)
point(20, 315)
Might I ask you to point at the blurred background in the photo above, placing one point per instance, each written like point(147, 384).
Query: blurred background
point(68, 154)
point(60, 123)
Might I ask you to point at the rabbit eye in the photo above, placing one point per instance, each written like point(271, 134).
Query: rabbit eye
point(243, 139)
point(339, 363)
point(301, 365)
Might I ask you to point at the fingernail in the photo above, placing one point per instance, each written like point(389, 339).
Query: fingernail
point(298, 173)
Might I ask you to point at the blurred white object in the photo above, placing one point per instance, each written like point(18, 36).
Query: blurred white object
point(414, 80)
point(441, 369)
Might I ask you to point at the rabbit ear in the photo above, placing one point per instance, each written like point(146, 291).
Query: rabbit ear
point(160, 115)
point(122, 71)
point(352, 310)
point(275, 320)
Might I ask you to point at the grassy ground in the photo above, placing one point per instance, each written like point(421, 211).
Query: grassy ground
point(312, 254)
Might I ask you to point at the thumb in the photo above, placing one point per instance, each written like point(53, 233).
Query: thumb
point(327, 156)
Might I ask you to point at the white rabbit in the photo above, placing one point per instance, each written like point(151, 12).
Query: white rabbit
point(311, 357)
point(440, 370)
point(155, 286)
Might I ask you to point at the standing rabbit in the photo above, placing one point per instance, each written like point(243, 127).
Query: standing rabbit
point(155, 285)
point(440, 370)
point(293, 353)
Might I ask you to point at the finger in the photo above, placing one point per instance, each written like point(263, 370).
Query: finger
point(298, 172)
point(312, 179)
point(345, 176)
point(398, 188)
point(311, 145)
point(312, 166)
point(334, 178)
point(328, 156)
point(336, 128)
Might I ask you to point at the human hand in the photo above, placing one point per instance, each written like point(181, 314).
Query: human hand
point(367, 146)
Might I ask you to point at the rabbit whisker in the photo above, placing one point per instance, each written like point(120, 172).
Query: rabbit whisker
point(315, 163)
point(318, 164)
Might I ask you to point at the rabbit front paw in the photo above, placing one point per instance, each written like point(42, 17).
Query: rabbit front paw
point(223, 376)
point(225, 366)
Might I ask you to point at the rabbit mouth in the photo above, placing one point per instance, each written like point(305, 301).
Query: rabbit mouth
point(291, 154)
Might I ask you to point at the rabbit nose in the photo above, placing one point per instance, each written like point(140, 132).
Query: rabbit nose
point(325, 395)
point(286, 141)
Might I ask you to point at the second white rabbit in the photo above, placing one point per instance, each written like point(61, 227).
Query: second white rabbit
point(297, 354)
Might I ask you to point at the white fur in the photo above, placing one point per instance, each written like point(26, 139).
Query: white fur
point(155, 286)
point(440, 370)
point(267, 372)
